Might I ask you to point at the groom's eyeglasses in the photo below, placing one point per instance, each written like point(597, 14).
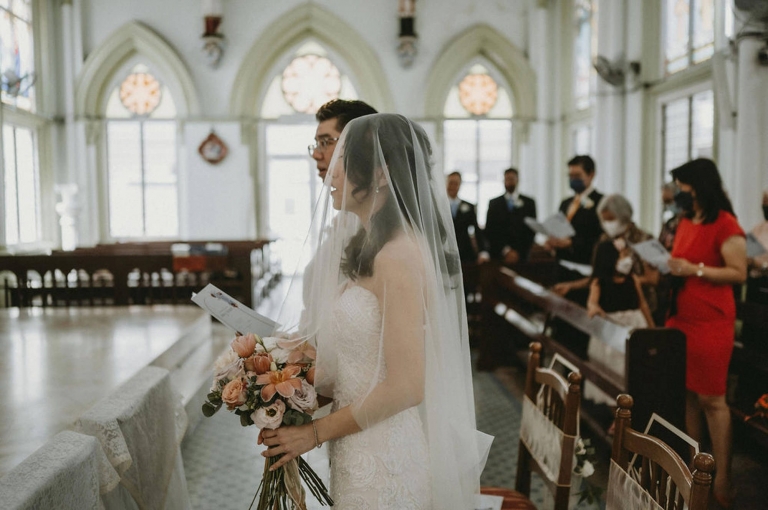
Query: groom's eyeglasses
point(321, 145)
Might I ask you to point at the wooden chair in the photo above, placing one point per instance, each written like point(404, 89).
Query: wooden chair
point(559, 402)
point(662, 473)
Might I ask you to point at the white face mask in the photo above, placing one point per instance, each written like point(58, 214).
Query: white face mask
point(613, 228)
point(624, 265)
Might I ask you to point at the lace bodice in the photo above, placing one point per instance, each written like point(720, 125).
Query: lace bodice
point(384, 466)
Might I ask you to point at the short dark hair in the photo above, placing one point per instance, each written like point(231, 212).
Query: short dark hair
point(455, 173)
point(702, 175)
point(343, 111)
point(512, 171)
point(585, 162)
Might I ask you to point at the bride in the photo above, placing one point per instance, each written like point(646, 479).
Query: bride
point(386, 310)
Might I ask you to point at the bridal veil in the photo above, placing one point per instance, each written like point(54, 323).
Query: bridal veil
point(383, 222)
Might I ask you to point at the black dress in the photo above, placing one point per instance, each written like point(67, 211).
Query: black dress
point(617, 297)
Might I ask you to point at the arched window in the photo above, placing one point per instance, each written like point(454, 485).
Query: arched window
point(477, 134)
point(304, 80)
point(141, 156)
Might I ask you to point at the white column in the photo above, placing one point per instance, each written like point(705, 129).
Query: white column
point(750, 175)
point(609, 103)
point(542, 170)
point(633, 171)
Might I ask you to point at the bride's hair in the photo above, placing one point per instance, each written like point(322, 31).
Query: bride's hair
point(360, 159)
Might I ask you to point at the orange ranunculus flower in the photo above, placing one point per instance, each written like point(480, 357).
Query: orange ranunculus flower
point(244, 345)
point(282, 381)
point(311, 376)
point(235, 393)
point(259, 363)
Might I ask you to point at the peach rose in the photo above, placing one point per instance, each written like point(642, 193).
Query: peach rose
point(235, 393)
point(244, 346)
point(259, 363)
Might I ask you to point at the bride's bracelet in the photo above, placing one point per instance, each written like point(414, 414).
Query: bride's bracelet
point(318, 444)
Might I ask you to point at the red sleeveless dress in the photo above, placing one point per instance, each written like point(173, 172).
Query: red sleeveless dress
point(706, 312)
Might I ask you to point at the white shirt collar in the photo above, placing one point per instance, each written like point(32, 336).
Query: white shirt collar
point(513, 196)
point(456, 200)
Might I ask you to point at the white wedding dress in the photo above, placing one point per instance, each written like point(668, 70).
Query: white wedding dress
point(386, 466)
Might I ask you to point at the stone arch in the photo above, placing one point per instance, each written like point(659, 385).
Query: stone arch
point(131, 39)
point(508, 59)
point(308, 21)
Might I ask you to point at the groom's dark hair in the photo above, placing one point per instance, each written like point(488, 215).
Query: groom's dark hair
point(343, 111)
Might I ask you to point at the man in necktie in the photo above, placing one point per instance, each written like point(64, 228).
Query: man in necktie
point(469, 237)
point(581, 211)
point(509, 238)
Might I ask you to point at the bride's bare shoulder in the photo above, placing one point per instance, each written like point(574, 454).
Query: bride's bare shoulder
point(402, 253)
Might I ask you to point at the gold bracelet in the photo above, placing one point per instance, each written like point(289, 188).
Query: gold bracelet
point(318, 444)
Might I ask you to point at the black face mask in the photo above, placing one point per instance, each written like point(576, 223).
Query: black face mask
point(684, 200)
point(765, 212)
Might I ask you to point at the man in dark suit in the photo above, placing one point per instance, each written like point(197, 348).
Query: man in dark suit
point(509, 238)
point(581, 211)
point(468, 233)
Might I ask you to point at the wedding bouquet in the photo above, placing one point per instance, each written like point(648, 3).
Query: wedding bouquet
point(268, 383)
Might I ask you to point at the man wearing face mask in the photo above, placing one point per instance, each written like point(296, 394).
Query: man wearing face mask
point(509, 239)
point(580, 210)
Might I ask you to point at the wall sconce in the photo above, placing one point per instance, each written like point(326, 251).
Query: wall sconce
point(406, 48)
point(213, 41)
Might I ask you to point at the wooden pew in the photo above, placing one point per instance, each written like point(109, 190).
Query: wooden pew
point(517, 311)
point(134, 273)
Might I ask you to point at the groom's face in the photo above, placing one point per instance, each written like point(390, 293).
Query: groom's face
point(326, 130)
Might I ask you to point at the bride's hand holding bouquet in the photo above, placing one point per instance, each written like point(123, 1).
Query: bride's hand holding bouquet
point(269, 383)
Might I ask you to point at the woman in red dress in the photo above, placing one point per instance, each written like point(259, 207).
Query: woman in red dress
point(708, 257)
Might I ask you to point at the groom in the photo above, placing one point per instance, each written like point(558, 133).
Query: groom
point(332, 117)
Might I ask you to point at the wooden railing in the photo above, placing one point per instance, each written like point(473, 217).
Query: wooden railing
point(135, 273)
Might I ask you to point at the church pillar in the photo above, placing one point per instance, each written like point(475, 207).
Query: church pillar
point(609, 116)
point(542, 167)
point(751, 170)
point(69, 177)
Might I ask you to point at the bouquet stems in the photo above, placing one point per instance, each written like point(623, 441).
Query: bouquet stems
point(281, 489)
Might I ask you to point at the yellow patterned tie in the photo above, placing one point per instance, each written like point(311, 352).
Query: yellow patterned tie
point(573, 207)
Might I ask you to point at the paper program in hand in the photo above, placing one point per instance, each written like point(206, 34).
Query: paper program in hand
point(653, 252)
point(233, 313)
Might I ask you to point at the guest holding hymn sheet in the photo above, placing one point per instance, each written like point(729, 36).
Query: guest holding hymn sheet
point(469, 237)
point(580, 209)
point(509, 238)
point(615, 213)
point(708, 258)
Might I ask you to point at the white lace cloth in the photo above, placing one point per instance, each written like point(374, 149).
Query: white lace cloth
point(624, 493)
point(140, 427)
point(545, 442)
point(69, 471)
point(386, 466)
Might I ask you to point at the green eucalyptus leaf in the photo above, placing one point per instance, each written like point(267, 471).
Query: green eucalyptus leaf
point(209, 409)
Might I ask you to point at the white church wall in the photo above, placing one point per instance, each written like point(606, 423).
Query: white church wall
point(216, 201)
point(180, 24)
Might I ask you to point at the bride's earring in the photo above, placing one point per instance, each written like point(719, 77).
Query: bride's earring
point(377, 189)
